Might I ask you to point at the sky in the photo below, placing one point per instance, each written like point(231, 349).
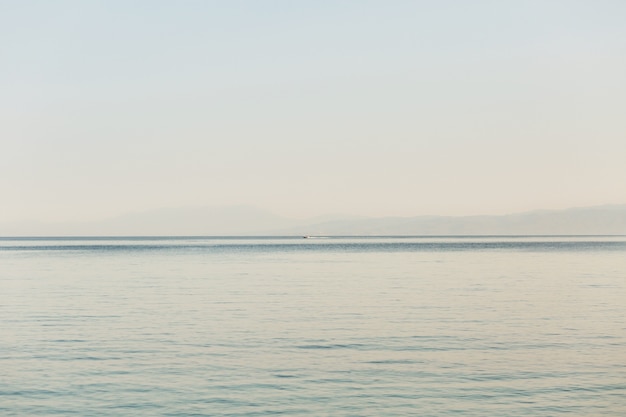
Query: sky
point(304, 108)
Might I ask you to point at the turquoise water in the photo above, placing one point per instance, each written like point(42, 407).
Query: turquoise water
point(483, 326)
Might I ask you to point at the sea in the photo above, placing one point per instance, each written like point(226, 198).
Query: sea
point(321, 326)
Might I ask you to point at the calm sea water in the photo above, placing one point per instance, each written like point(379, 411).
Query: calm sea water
point(489, 326)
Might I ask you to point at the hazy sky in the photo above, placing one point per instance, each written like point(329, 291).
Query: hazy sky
point(310, 107)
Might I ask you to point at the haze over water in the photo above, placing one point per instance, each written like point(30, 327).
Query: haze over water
point(472, 326)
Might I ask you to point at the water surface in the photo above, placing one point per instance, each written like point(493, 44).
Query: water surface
point(193, 326)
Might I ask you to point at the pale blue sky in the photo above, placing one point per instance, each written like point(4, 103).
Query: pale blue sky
point(305, 108)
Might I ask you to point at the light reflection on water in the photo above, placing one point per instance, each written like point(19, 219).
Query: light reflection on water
point(516, 326)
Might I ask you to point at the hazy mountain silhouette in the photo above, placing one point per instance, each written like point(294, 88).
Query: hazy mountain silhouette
point(584, 221)
point(186, 221)
point(246, 220)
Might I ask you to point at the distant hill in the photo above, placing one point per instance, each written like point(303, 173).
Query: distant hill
point(575, 221)
point(245, 220)
point(186, 221)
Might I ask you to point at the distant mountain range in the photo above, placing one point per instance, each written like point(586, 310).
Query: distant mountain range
point(251, 221)
point(599, 220)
